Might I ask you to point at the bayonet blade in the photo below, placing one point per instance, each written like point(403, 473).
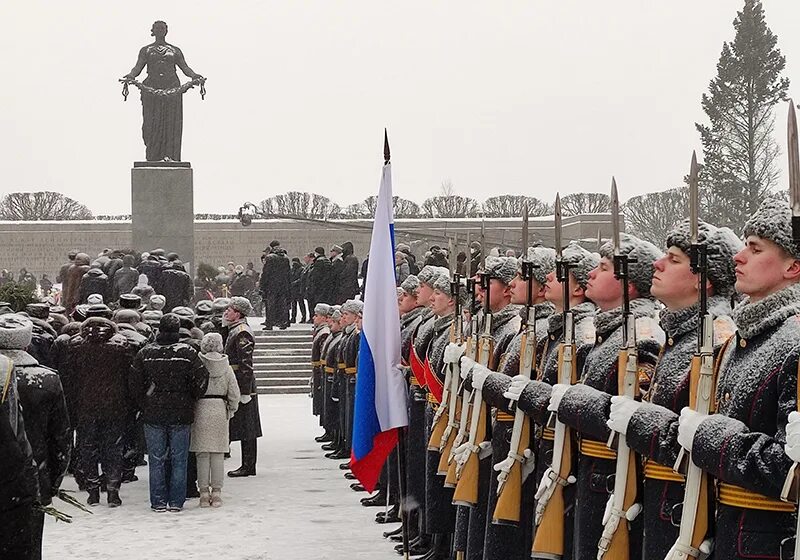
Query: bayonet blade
point(557, 220)
point(694, 199)
point(599, 239)
point(451, 259)
point(794, 162)
point(615, 215)
point(483, 244)
point(386, 154)
point(524, 230)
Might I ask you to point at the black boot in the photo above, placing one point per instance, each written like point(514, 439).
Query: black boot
point(357, 487)
point(420, 545)
point(378, 500)
point(344, 466)
point(242, 471)
point(349, 476)
point(324, 438)
point(392, 516)
point(440, 548)
point(338, 455)
point(331, 446)
point(113, 498)
point(395, 533)
point(94, 497)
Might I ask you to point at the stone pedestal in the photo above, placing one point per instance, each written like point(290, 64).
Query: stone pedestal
point(162, 208)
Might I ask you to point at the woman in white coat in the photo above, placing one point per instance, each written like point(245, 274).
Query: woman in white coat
point(212, 412)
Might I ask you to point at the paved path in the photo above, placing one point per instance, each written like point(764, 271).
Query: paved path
point(298, 507)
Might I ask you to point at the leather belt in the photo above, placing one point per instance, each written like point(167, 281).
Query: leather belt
point(656, 471)
point(350, 370)
point(596, 449)
point(736, 496)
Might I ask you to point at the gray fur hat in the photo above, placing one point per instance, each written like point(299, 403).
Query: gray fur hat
point(400, 292)
point(581, 262)
point(426, 273)
point(151, 317)
point(502, 268)
point(38, 310)
point(127, 316)
point(721, 245)
point(544, 261)
point(219, 305)
point(16, 331)
point(353, 306)
point(242, 305)
point(336, 312)
point(643, 252)
point(410, 285)
point(130, 301)
point(212, 342)
point(94, 299)
point(773, 221)
point(183, 312)
point(157, 302)
point(322, 309)
point(443, 284)
point(99, 310)
point(203, 308)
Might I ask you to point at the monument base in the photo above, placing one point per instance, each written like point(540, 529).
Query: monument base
point(162, 208)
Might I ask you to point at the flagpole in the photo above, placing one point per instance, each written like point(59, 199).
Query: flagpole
point(401, 432)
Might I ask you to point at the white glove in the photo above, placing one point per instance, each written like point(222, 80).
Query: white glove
point(622, 408)
point(792, 446)
point(555, 397)
point(467, 364)
point(518, 384)
point(461, 454)
point(479, 375)
point(528, 465)
point(245, 399)
point(484, 450)
point(453, 353)
point(687, 426)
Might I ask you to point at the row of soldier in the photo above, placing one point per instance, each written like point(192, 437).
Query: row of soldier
point(555, 417)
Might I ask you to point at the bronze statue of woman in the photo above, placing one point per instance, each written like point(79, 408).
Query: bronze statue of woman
point(162, 95)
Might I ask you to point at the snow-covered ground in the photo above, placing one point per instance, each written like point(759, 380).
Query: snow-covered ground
point(299, 506)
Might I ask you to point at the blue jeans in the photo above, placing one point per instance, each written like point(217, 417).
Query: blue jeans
point(162, 440)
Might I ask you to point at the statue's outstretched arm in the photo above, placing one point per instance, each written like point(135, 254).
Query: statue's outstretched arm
point(181, 62)
point(140, 64)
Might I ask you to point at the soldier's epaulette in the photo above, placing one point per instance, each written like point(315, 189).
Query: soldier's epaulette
point(240, 328)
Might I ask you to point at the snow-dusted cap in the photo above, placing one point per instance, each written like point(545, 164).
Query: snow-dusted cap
point(336, 312)
point(98, 310)
point(127, 316)
point(581, 262)
point(721, 245)
point(773, 221)
point(203, 308)
point(212, 342)
point(157, 302)
point(183, 312)
point(444, 285)
point(152, 317)
point(94, 299)
point(643, 252)
point(16, 331)
point(143, 281)
point(242, 305)
point(323, 310)
point(400, 292)
point(502, 268)
point(353, 306)
point(220, 304)
point(436, 273)
point(38, 310)
point(426, 273)
point(544, 262)
point(410, 285)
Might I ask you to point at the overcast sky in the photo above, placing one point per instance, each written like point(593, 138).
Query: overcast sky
point(524, 97)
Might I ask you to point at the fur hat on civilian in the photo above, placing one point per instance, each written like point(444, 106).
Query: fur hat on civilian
point(94, 299)
point(127, 316)
point(212, 342)
point(581, 262)
point(721, 245)
point(544, 262)
point(157, 302)
point(169, 323)
point(773, 221)
point(242, 305)
point(219, 305)
point(410, 285)
point(151, 317)
point(353, 306)
point(203, 308)
point(502, 268)
point(130, 301)
point(323, 310)
point(38, 310)
point(98, 310)
point(16, 331)
point(643, 253)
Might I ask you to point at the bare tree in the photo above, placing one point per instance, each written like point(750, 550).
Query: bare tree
point(402, 207)
point(355, 211)
point(42, 205)
point(585, 203)
point(453, 206)
point(447, 188)
point(300, 204)
point(651, 216)
point(511, 206)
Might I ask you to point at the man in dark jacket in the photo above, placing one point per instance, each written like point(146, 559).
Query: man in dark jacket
point(70, 296)
point(93, 282)
point(276, 287)
point(45, 411)
point(348, 278)
point(125, 278)
point(19, 487)
point(297, 292)
point(337, 270)
point(151, 267)
point(166, 379)
point(321, 285)
point(176, 286)
point(99, 364)
point(245, 426)
point(62, 273)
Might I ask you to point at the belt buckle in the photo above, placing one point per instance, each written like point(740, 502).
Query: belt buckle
point(676, 514)
point(610, 480)
point(786, 551)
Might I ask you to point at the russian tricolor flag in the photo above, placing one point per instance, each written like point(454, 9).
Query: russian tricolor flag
point(381, 392)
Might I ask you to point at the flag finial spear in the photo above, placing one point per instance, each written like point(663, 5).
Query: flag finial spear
point(386, 154)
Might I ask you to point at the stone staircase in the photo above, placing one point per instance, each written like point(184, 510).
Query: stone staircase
point(282, 360)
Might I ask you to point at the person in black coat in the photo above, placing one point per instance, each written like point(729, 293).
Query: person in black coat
point(276, 287)
point(125, 278)
point(45, 412)
point(321, 285)
point(176, 286)
point(167, 378)
point(99, 363)
point(348, 275)
point(337, 270)
point(19, 486)
point(93, 282)
point(297, 292)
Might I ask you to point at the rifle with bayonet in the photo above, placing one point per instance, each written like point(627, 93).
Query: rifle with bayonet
point(441, 420)
point(696, 511)
point(790, 487)
point(446, 463)
point(509, 479)
point(549, 520)
point(615, 541)
point(466, 492)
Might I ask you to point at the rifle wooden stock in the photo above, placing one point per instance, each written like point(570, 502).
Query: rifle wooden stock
point(509, 501)
point(444, 459)
point(701, 521)
point(619, 549)
point(549, 538)
point(466, 493)
point(435, 440)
